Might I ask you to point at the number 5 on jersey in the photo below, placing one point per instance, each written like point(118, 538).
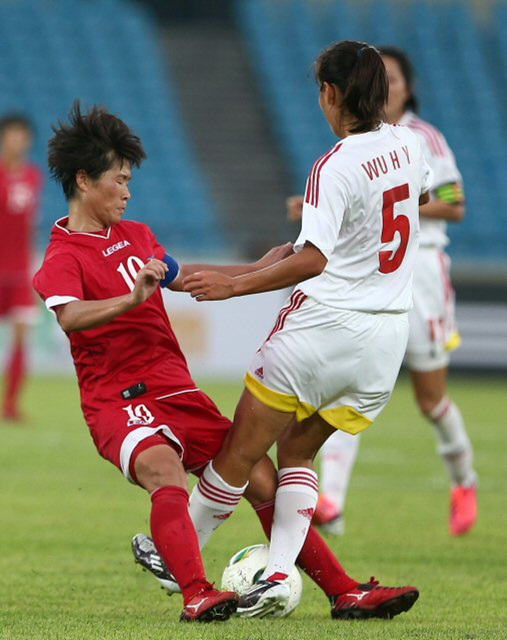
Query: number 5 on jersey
point(391, 260)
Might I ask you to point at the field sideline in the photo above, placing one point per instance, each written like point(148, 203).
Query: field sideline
point(67, 517)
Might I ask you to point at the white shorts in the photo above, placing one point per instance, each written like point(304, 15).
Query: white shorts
point(341, 364)
point(433, 332)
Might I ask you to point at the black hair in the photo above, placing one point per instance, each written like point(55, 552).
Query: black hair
point(15, 119)
point(407, 71)
point(357, 70)
point(90, 142)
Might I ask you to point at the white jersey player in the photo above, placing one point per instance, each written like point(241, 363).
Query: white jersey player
point(334, 353)
point(433, 332)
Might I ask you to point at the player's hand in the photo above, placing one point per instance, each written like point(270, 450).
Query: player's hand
point(209, 285)
point(294, 208)
point(275, 255)
point(148, 280)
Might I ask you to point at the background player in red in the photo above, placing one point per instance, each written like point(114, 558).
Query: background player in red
point(20, 186)
point(145, 413)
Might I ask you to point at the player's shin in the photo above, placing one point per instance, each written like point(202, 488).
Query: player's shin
point(212, 502)
point(296, 497)
point(453, 444)
point(316, 558)
point(176, 540)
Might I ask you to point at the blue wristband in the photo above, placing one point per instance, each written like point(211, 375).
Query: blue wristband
point(173, 269)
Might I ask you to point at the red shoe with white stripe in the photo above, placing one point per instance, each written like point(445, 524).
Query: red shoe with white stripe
point(210, 605)
point(371, 600)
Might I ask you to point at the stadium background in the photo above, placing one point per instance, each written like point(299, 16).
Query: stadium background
point(223, 96)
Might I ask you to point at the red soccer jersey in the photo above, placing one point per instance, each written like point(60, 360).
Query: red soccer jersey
point(138, 346)
point(19, 200)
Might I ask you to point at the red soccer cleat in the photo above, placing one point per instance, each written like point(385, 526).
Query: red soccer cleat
point(327, 516)
point(463, 512)
point(371, 600)
point(210, 604)
point(325, 511)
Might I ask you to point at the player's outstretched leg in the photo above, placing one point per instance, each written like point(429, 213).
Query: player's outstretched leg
point(372, 600)
point(159, 470)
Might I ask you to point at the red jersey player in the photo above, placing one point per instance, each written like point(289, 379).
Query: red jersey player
point(20, 185)
point(101, 276)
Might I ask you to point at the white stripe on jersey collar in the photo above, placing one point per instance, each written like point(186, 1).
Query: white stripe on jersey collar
point(81, 233)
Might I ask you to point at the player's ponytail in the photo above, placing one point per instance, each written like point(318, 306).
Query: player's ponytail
point(358, 71)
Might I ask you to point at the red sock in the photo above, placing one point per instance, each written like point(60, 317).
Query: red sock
point(316, 558)
point(176, 540)
point(15, 373)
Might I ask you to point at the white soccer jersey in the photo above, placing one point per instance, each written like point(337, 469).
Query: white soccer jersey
point(361, 210)
point(445, 171)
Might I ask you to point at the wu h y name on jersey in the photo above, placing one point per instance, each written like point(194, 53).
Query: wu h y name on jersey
point(384, 163)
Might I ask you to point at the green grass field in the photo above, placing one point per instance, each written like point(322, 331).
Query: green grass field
point(67, 517)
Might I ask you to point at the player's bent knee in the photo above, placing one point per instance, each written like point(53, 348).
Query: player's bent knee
point(428, 404)
point(159, 466)
point(263, 482)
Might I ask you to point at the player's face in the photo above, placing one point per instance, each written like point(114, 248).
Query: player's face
point(106, 198)
point(16, 142)
point(399, 91)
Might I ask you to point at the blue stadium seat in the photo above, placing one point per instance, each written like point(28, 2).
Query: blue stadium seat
point(456, 86)
point(107, 54)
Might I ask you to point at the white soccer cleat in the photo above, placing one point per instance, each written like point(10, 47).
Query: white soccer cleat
point(264, 598)
point(146, 554)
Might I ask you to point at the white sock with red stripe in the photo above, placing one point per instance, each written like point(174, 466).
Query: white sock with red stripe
point(296, 497)
point(212, 502)
point(452, 442)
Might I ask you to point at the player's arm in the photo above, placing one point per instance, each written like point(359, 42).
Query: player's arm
point(294, 206)
point(271, 257)
point(448, 203)
point(79, 315)
point(209, 285)
point(424, 198)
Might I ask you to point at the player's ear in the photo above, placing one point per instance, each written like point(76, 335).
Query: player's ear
point(82, 180)
point(329, 92)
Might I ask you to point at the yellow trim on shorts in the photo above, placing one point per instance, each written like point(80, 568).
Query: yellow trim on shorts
point(454, 341)
point(344, 418)
point(274, 399)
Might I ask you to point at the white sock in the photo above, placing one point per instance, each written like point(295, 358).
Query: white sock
point(453, 444)
point(296, 498)
point(336, 463)
point(212, 501)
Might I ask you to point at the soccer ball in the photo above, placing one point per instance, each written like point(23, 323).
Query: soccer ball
point(246, 567)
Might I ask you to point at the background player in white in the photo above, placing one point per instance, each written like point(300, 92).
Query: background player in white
point(332, 358)
point(433, 332)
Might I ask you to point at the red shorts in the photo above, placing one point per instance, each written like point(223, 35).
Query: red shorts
point(17, 297)
point(189, 421)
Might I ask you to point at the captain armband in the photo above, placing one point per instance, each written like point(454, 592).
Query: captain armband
point(173, 269)
point(451, 193)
